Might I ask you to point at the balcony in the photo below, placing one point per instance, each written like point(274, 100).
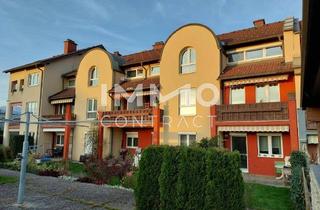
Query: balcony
point(274, 111)
point(55, 118)
point(130, 118)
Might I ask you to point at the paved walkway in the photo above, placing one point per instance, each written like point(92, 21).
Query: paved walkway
point(53, 193)
point(265, 180)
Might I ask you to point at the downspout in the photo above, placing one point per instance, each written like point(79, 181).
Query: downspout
point(40, 101)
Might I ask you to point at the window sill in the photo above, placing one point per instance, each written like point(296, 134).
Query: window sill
point(132, 147)
point(186, 73)
point(270, 156)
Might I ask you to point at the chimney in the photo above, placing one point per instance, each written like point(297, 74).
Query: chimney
point(158, 45)
point(258, 23)
point(69, 46)
point(117, 53)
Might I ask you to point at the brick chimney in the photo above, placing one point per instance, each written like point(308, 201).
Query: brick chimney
point(117, 53)
point(69, 46)
point(158, 45)
point(258, 23)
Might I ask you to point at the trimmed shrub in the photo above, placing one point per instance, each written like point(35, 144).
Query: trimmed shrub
point(16, 143)
point(130, 181)
point(298, 159)
point(296, 189)
point(206, 143)
point(225, 187)
point(191, 182)
point(148, 192)
point(5, 154)
point(168, 177)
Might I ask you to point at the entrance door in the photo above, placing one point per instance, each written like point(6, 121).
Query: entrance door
point(239, 143)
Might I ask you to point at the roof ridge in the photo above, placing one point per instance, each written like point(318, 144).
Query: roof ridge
point(250, 28)
point(143, 51)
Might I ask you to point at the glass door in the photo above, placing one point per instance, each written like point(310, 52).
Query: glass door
point(239, 143)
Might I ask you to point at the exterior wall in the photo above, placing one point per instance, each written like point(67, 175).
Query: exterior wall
point(262, 165)
point(144, 136)
point(100, 59)
point(208, 66)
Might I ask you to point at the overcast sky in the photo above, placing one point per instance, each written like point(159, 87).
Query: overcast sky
point(36, 29)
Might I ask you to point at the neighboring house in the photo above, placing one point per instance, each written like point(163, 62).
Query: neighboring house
point(310, 80)
point(30, 86)
point(253, 75)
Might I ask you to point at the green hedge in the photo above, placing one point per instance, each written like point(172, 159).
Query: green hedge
point(190, 178)
point(298, 162)
point(5, 154)
point(148, 190)
point(16, 143)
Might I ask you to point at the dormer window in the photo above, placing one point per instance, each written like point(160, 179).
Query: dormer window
point(71, 83)
point(134, 73)
point(155, 70)
point(93, 76)
point(188, 61)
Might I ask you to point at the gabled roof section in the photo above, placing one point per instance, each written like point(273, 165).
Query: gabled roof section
point(42, 62)
point(68, 93)
point(259, 68)
point(130, 85)
point(267, 31)
point(152, 55)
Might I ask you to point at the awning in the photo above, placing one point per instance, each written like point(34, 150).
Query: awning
point(254, 128)
point(62, 101)
point(312, 139)
point(256, 80)
point(53, 130)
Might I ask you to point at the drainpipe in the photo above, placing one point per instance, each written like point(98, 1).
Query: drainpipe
point(40, 101)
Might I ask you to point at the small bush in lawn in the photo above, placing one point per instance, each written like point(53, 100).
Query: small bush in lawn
point(191, 181)
point(5, 154)
point(225, 187)
point(168, 177)
point(208, 142)
point(130, 181)
point(114, 181)
point(148, 192)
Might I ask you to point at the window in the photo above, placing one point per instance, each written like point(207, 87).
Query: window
point(21, 84)
point(71, 83)
point(267, 93)
point(60, 140)
point(33, 79)
point(273, 51)
point(93, 76)
point(261, 53)
point(92, 108)
point(14, 86)
point(312, 139)
point(187, 139)
point(155, 70)
point(254, 54)
point(61, 109)
point(270, 145)
point(188, 102)
point(236, 57)
point(188, 61)
point(32, 107)
point(237, 95)
point(132, 140)
point(134, 73)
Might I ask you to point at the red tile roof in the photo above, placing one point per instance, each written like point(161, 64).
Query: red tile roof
point(266, 31)
point(130, 85)
point(259, 68)
point(144, 56)
point(64, 94)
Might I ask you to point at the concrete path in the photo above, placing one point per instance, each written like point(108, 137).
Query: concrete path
point(53, 193)
point(265, 180)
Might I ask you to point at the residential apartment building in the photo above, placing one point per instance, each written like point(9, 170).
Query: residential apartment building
point(242, 86)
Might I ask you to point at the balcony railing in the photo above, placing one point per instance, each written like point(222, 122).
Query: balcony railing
point(129, 118)
point(253, 112)
point(56, 117)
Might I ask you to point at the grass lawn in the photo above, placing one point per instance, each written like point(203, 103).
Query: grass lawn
point(8, 179)
point(262, 197)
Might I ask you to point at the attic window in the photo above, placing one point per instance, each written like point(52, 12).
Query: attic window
point(134, 73)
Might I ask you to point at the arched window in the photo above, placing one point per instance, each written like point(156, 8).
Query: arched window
point(188, 61)
point(93, 76)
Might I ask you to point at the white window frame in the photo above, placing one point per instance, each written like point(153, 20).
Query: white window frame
point(152, 73)
point(188, 63)
point(140, 75)
point(264, 54)
point(35, 111)
point(33, 79)
point(267, 93)
point(244, 95)
point(90, 100)
point(132, 135)
point(60, 139)
point(93, 81)
point(188, 134)
point(269, 136)
point(189, 104)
